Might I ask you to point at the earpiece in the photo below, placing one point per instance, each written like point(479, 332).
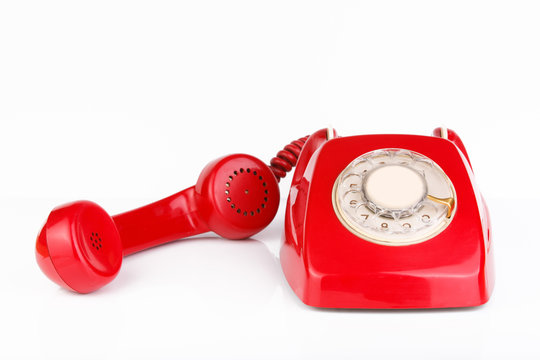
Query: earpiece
point(81, 247)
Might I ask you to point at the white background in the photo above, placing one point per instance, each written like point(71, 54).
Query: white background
point(124, 102)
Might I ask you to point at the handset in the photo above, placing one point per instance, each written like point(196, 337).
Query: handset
point(81, 247)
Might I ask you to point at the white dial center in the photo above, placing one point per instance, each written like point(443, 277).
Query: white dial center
point(395, 187)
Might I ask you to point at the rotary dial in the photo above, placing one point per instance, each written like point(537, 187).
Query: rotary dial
point(394, 197)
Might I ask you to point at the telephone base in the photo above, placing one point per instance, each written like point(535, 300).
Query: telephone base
point(330, 265)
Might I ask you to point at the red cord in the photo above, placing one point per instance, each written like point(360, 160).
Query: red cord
point(286, 159)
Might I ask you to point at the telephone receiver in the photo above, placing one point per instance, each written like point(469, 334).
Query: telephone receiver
point(81, 247)
point(372, 221)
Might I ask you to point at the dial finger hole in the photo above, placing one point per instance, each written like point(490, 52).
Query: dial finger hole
point(403, 157)
point(353, 198)
point(427, 213)
point(363, 213)
point(406, 227)
point(352, 182)
point(361, 166)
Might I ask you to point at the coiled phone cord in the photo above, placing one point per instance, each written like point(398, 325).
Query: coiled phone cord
point(286, 159)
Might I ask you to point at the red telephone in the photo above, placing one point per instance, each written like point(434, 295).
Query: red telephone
point(372, 221)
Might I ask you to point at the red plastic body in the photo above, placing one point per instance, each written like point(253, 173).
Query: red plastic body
point(328, 266)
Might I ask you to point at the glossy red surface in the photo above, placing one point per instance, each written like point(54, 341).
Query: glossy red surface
point(328, 266)
point(236, 196)
point(453, 137)
point(80, 247)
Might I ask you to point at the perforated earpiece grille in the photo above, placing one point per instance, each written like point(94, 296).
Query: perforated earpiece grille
point(246, 199)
